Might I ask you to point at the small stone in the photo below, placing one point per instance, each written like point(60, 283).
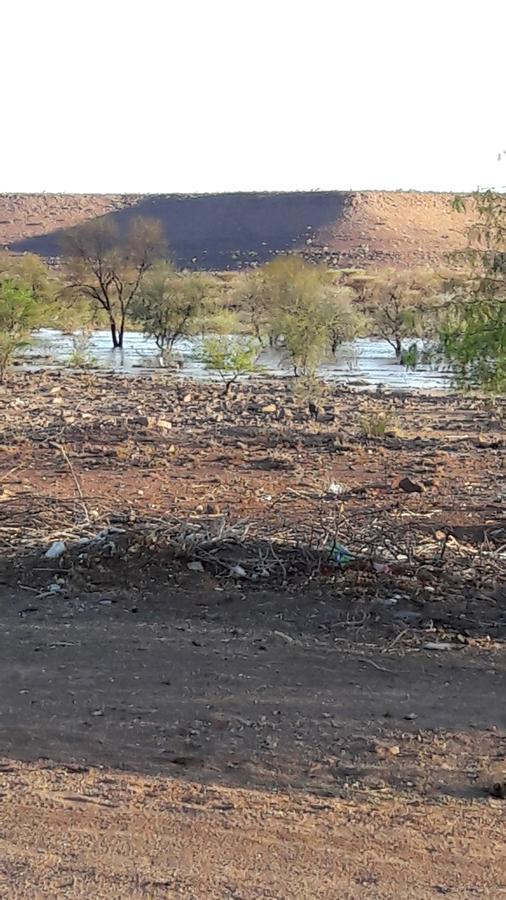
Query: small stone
point(195, 566)
point(270, 408)
point(498, 789)
point(410, 487)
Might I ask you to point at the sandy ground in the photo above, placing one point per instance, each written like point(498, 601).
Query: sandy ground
point(102, 835)
point(167, 732)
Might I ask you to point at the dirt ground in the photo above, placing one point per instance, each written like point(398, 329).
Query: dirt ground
point(196, 699)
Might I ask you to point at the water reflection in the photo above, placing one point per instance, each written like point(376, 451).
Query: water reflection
point(363, 362)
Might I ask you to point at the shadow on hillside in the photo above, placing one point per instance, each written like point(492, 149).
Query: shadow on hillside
point(223, 231)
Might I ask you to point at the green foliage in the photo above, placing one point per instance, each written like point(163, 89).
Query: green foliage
point(253, 302)
point(81, 356)
point(473, 341)
point(311, 390)
point(170, 304)
point(33, 273)
point(219, 320)
point(299, 296)
point(410, 358)
point(20, 314)
point(344, 321)
point(378, 422)
point(473, 334)
point(229, 357)
point(402, 304)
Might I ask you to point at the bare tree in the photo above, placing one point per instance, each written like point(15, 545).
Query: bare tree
point(107, 271)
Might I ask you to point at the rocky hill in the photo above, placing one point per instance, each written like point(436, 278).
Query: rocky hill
point(229, 231)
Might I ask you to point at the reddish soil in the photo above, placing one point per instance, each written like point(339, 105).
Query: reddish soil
point(315, 731)
point(229, 231)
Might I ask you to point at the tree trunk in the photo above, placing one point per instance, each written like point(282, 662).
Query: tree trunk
point(114, 334)
point(398, 348)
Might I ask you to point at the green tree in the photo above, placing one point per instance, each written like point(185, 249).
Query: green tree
point(253, 301)
point(33, 272)
point(473, 334)
point(299, 295)
point(400, 304)
point(20, 314)
point(109, 270)
point(170, 304)
point(230, 357)
point(344, 321)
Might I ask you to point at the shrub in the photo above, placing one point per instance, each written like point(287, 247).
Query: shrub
point(229, 357)
point(378, 423)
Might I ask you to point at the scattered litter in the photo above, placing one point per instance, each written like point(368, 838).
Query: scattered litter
point(54, 588)
point(56, 550)
point(382, 568)
point(336, 489)
point(339, 554)
point(195, 566)
point(238, 572)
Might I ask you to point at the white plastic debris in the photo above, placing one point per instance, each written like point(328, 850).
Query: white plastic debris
point(336, 489)
point(56, 550)
point(238, 572)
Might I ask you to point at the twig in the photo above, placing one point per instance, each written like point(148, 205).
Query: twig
point(376, 666)
point(64, 453)
point(395, 640)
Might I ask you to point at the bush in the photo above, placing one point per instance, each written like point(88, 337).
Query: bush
point(81, 356)
point(229, 357)
point(20, 313)
point(378, 423)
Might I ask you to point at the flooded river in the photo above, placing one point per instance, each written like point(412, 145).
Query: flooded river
point(365, 362)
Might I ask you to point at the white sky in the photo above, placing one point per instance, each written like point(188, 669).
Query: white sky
point(221, 95)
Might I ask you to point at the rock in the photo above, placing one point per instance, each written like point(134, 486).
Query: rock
point(238, 572)
point(139, 421)
point(410, 487)
point(164, 424)
point(56, 550)
point(498, 789)
point(195, 566)
point(270, 408)
point(387, 749)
